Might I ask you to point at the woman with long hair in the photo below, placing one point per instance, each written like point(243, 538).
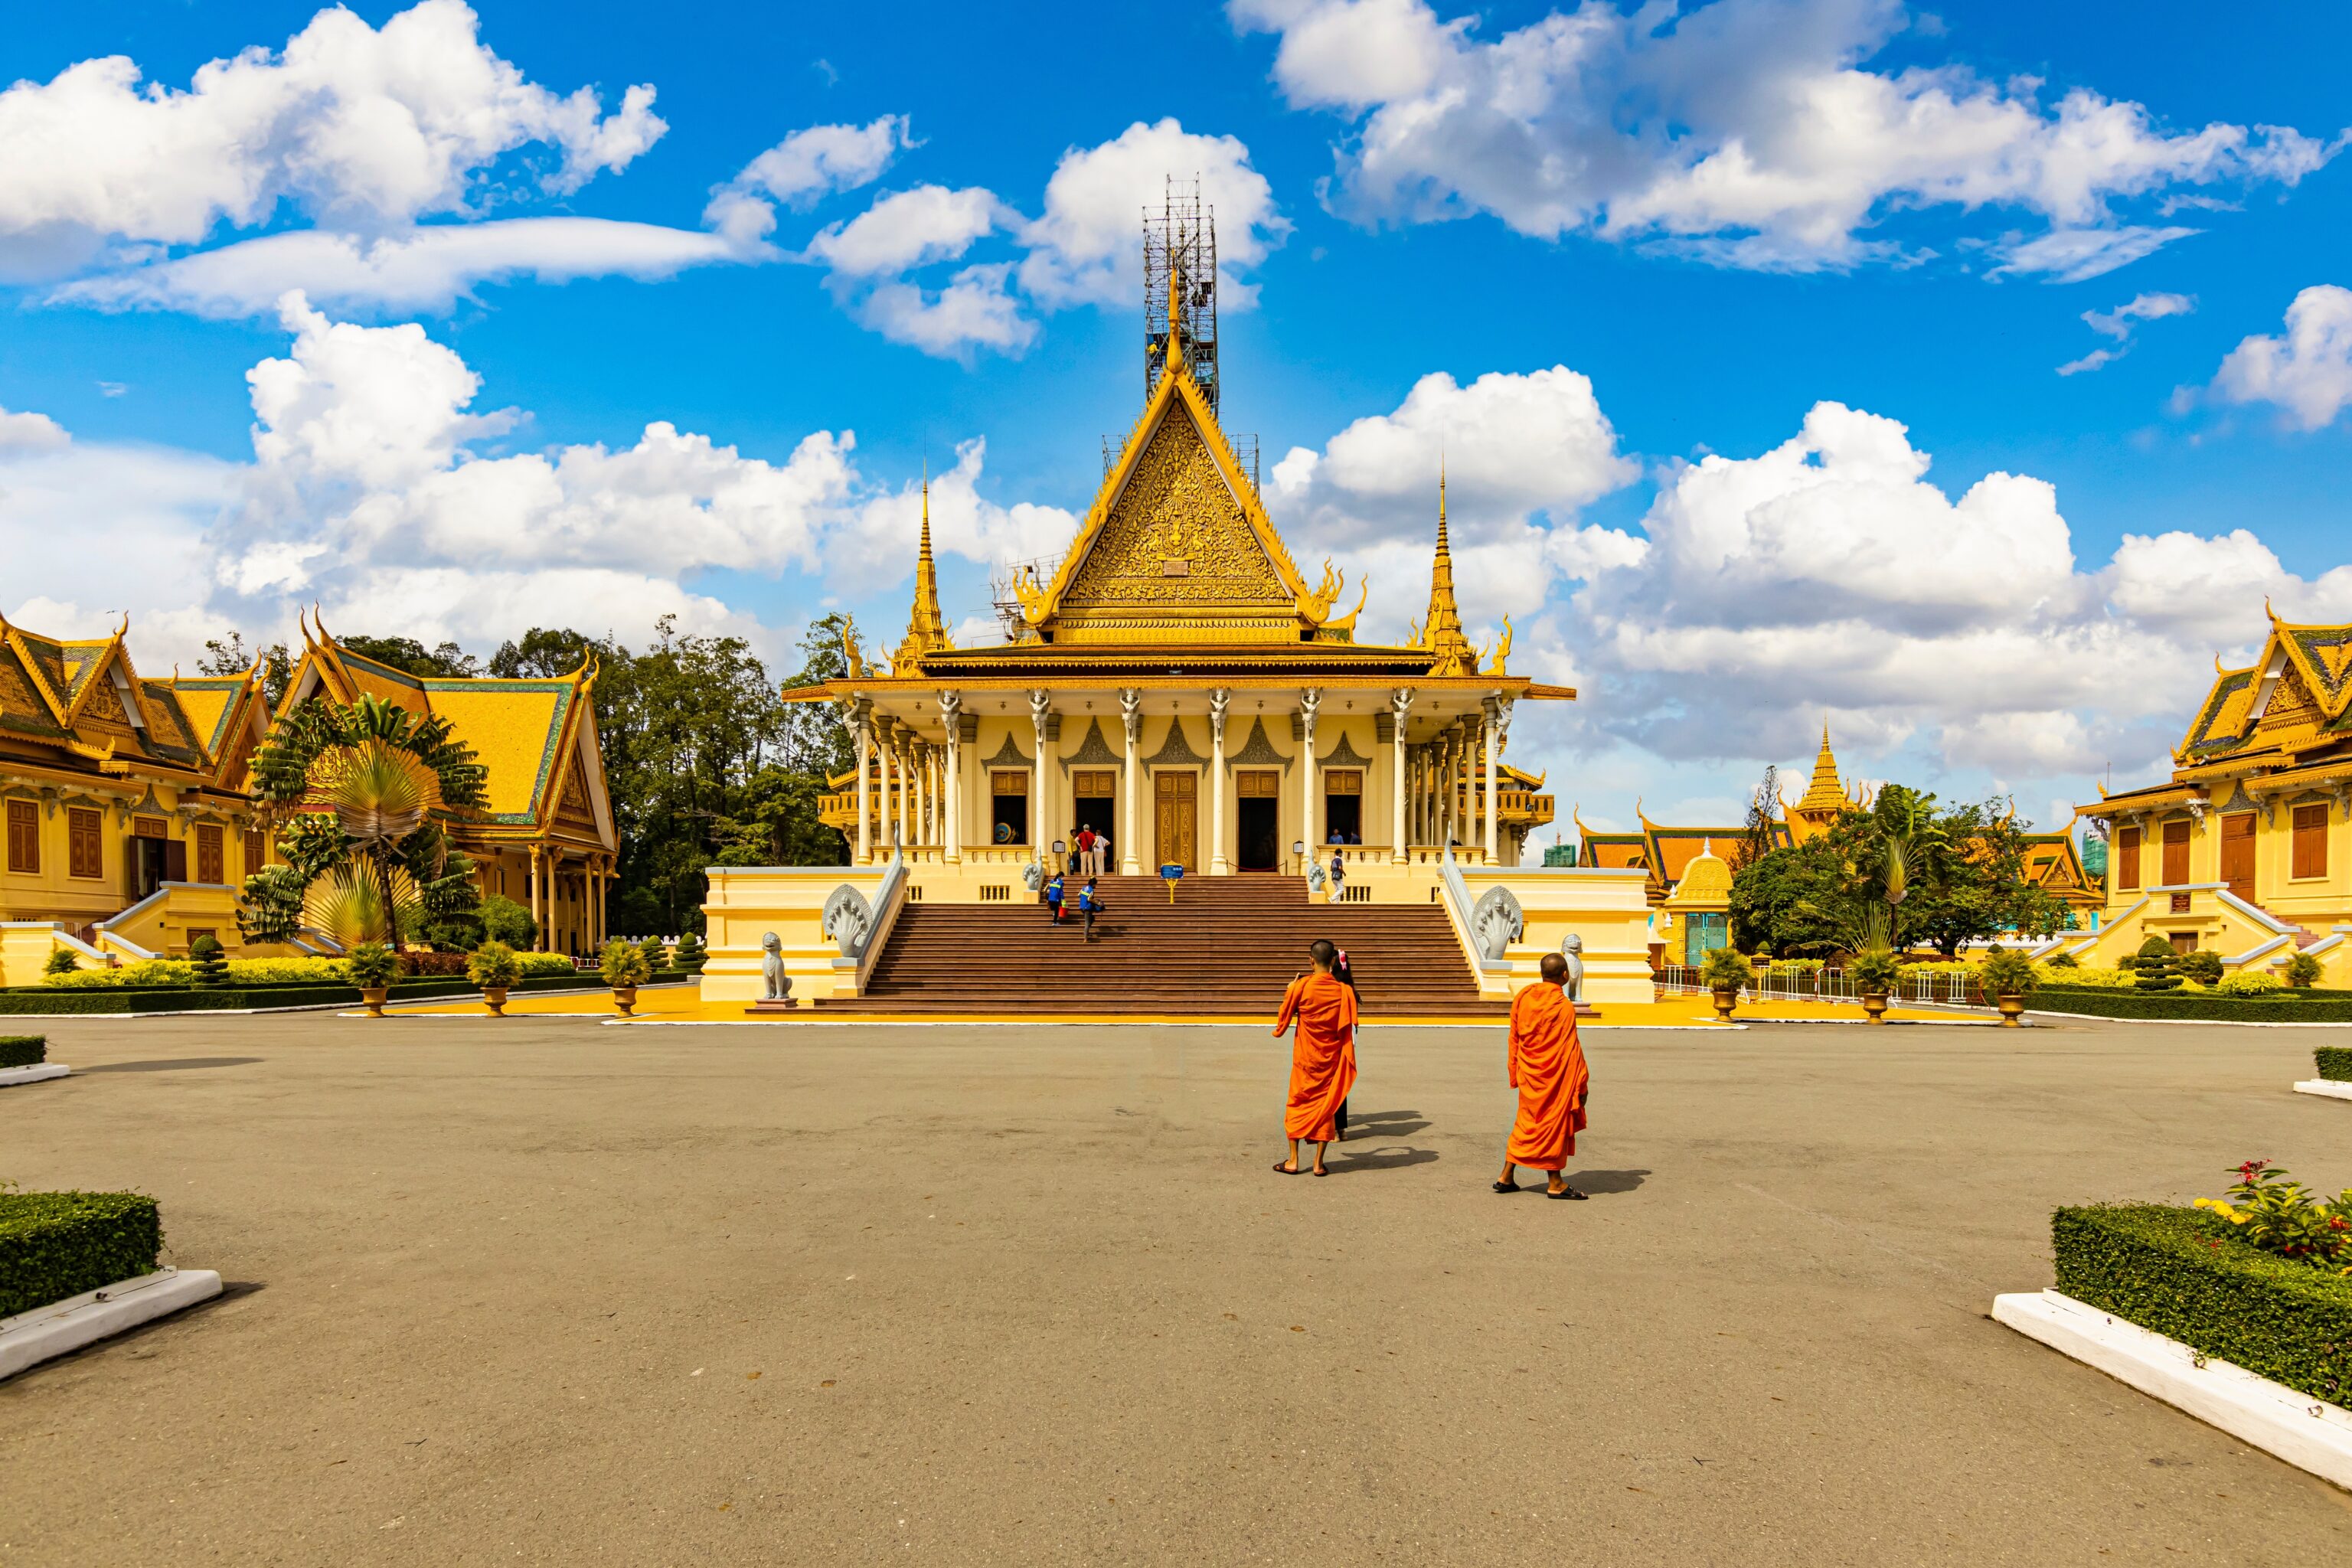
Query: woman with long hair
point(1345, 974)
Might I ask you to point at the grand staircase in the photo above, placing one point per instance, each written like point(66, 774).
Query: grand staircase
point(1225, 948)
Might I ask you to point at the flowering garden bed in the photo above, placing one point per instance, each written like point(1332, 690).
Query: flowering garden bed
point(115, 1000)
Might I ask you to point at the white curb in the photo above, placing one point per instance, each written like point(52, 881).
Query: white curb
point(62, 1326)
point(2306, 1432)
point(36, 1073)
point(2334, 1089)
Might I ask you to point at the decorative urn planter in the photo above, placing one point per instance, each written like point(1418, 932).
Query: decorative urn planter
point(1724, 998)
point(2011, 1008)
point(1874, 1004)
point(624, 997)
point(373, 996)
point(494, 997)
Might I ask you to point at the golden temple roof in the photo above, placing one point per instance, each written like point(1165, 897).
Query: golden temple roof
point(82, 699)
point(1441, 633)
point(927, 630)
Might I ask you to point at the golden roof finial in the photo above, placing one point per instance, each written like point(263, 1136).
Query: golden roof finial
point(1442, 630)
point(926, 627)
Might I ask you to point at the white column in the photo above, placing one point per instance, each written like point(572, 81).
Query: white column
point(1310, 701)
point(1449, 779)
point(1130, 713)
point(539, 941)
point(951, 715)
point(923, 792)
point(1218, 865)
point(1401, 704)
point(1494, 727)
point(1040, 835)
point(886, 814)
point(863, 731)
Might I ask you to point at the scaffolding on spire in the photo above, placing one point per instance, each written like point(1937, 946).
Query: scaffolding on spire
point(1179, 289)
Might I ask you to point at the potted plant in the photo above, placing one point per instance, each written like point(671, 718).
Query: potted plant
point(624, 968)
point(1724, 973)
point(1876, 971)
point(371, 966)
point(2008, 978)
point(494, 967)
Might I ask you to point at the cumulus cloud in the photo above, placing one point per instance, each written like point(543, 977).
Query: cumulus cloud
point(1748, 132)
point(2307, 373)
point(359, 128)
point(379, 489)
point(2119, 324)
point(29, 433)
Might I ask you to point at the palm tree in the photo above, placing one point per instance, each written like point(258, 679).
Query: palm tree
point(362, 795)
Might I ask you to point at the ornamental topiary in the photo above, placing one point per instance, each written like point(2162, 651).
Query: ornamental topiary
point(56, 1245)
point(657, 954)
point(625, 966)
point(493, 965)
point(371, 964)
point(691, 954)
point(2203, 966)
point(210, 963)
point(2157, 966)
point(62, 961)
point(2303, 970)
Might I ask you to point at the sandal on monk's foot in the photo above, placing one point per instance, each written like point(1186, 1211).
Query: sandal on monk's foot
point(1506, 1186)
point(1318, 1171)
point(1566, 1192)
point(1285, 1168)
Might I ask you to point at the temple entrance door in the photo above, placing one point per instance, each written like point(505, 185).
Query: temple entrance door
point(1258, 819)
point(1178, 821)
point(1092, 797)
point(2237, 854)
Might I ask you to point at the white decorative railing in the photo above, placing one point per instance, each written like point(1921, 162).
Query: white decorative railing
point(1927, 988)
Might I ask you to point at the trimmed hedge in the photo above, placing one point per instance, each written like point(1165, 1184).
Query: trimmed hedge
point(119, 1000)
point(2335, 1063)
point(56, 1245)
point(24, 1050)
point(2180, 1273)
point(2278, 1007)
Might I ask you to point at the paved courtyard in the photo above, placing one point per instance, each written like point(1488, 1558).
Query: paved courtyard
point(550, 1291)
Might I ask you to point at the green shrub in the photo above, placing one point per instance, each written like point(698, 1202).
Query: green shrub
point(62, 961)
point(2007, 973)
point(505, 920)
point(2335, 1063)
point(493, 964)
point(2156, 967)
point(2183, 1274)
point(657, 954)
point(2248, 982)
point(624, 964)
point(691, 954)
point(371, 964)
point(1876, 971)
point(1726, 970)
point(546, 963)
point(205, 956)
point(2064, 960)
point(2203, 966)
point(2278, 1007)
point(25, 1050)
point(2303, 970)
point(56, 1245)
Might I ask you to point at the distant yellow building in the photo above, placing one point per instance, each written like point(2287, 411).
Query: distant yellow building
point(2244, 850)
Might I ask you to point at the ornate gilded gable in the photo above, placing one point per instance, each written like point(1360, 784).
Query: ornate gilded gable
point(2220, 722)
point(2291, 707)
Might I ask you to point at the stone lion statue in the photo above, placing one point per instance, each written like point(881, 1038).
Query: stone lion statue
point(777, 985)
point(1571, 948)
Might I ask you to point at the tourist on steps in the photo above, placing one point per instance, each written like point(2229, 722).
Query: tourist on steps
point(1086, 842)
point(1345, 974)
point(1089, 905)
point(1338, 874)
point(1547, 1067)
point(1053, 896)
point(1322, 1056)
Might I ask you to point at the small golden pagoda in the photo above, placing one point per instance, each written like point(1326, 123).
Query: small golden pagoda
point(1825, 799)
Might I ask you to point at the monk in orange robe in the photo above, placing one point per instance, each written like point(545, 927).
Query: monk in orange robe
point(1322, 1056)
point(1547, 1067)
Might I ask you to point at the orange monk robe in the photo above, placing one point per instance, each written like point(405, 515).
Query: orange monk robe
point(1547, 1067)
point(1322, 1056)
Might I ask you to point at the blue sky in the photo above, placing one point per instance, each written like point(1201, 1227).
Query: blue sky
point(1643, 254)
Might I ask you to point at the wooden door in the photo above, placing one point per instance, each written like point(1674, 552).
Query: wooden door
point(2175, 854)
point(2237, 854)
point(1175, 815)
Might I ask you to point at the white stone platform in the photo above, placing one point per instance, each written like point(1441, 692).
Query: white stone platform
point(62, 1326)
point(38, 1072)
point(2334, 1089)
point(2306, 1432)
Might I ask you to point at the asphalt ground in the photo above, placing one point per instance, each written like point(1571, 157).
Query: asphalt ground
point(546, 1291)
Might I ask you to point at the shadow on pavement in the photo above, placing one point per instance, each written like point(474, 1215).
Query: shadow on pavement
point(1605, 1181)
point(171, 1066)
point(1388, 1124)
point(1379, 1160)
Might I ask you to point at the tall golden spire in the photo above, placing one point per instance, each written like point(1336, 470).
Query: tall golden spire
point(1442, 632)
point(925, 628)
point(1826, 791)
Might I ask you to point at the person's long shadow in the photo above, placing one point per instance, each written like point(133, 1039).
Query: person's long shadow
point(1386, 1124)
point(1389, 1159)
point(179, 1064)
point(1605, 1181)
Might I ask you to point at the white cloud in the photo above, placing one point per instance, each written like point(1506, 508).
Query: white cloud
point(1082, 249)
point(361, 128)
point(427, 267)
point(905, 230)
point(29, 433)
point(2308, 372)
point(822, 158)
point(1745, 131)
point(2119, 324)
point(2074, 255)
point(973, 310)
